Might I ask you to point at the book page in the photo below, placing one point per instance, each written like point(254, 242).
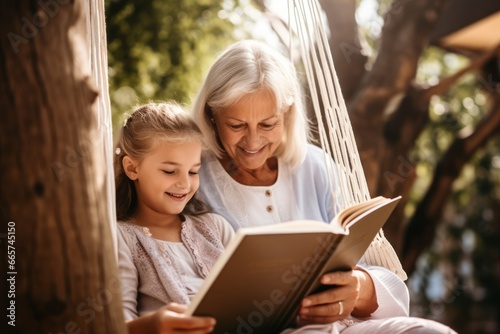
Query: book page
point(345, 216)
point(297, 226)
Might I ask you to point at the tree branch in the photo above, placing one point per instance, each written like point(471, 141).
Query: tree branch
point(401, 130)
point(279, 26)
point(446, 83)
point(345, 44)
point(426, 217)
point(405, 34)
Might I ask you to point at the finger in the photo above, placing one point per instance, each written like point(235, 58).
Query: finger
point(174, 321)
point(179, 308)
point(325, 310)
point(192, 323)
point(325, 297)
point(323, 314)
point(337, 278)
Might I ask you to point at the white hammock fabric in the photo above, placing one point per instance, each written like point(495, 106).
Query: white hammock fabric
point(98, 65)
point(346, 177)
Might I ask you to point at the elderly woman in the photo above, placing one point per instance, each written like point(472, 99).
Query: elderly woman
point(260, 169)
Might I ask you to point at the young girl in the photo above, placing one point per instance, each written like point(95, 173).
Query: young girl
point(167, 242)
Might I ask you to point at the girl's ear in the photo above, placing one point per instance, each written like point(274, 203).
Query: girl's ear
point(130, 167)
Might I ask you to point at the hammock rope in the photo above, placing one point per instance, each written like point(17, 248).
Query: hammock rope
point(346, 176)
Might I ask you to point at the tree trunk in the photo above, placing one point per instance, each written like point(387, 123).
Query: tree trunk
point(61, 275)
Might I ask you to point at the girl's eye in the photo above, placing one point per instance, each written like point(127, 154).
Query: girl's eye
point(168, 172)
point(193, 173)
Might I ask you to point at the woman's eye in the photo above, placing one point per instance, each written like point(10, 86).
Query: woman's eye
point(236, 126)
point(268, 126)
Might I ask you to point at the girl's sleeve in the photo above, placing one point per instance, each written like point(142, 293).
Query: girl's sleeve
point(128, 276)
point(226, 231)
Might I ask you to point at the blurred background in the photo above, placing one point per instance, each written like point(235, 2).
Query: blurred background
point(421, 82)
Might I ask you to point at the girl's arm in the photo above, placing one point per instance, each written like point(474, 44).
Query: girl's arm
point(128, 276)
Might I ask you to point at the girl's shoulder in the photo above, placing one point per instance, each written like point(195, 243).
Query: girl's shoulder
point(213, 226)
point(208, 219)
point(126, 226)
point(130, 231)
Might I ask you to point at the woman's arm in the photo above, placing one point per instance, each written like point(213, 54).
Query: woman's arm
point(363, 292)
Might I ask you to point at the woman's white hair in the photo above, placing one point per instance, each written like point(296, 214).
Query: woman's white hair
point(246, 67)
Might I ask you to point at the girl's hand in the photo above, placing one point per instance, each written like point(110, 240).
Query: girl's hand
point(353, 293)
point(171, 319)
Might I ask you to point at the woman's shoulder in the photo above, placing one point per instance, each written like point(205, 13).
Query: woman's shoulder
point(315, 157)
point(314, 151)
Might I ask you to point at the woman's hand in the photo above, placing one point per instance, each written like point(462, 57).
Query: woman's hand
point(352, 292)
point(171, 319)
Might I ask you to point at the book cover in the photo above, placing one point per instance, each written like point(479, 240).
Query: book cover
point(258, 283)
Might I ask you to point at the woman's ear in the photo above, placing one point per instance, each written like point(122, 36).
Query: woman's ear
point(130, 167)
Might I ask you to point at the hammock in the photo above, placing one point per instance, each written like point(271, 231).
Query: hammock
point(339, 143)
point(346, 177)
point(98, 65)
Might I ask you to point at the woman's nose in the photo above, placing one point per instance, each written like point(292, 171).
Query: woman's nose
point(252, 137)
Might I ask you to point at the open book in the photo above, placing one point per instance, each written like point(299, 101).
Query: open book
point(257, 285)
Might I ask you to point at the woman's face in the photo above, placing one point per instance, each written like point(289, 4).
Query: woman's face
point(251, 130)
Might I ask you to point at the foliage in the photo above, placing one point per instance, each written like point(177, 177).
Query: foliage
point(159, 49)
point(455, 281)
point(458, 274)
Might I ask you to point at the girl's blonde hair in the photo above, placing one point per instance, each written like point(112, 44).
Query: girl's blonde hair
point(246, 67)
point(145, 126)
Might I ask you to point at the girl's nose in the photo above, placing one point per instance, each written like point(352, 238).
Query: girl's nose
point(183, 182)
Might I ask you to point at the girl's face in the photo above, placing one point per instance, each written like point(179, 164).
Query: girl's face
point(167, 178)
point(251, 130)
